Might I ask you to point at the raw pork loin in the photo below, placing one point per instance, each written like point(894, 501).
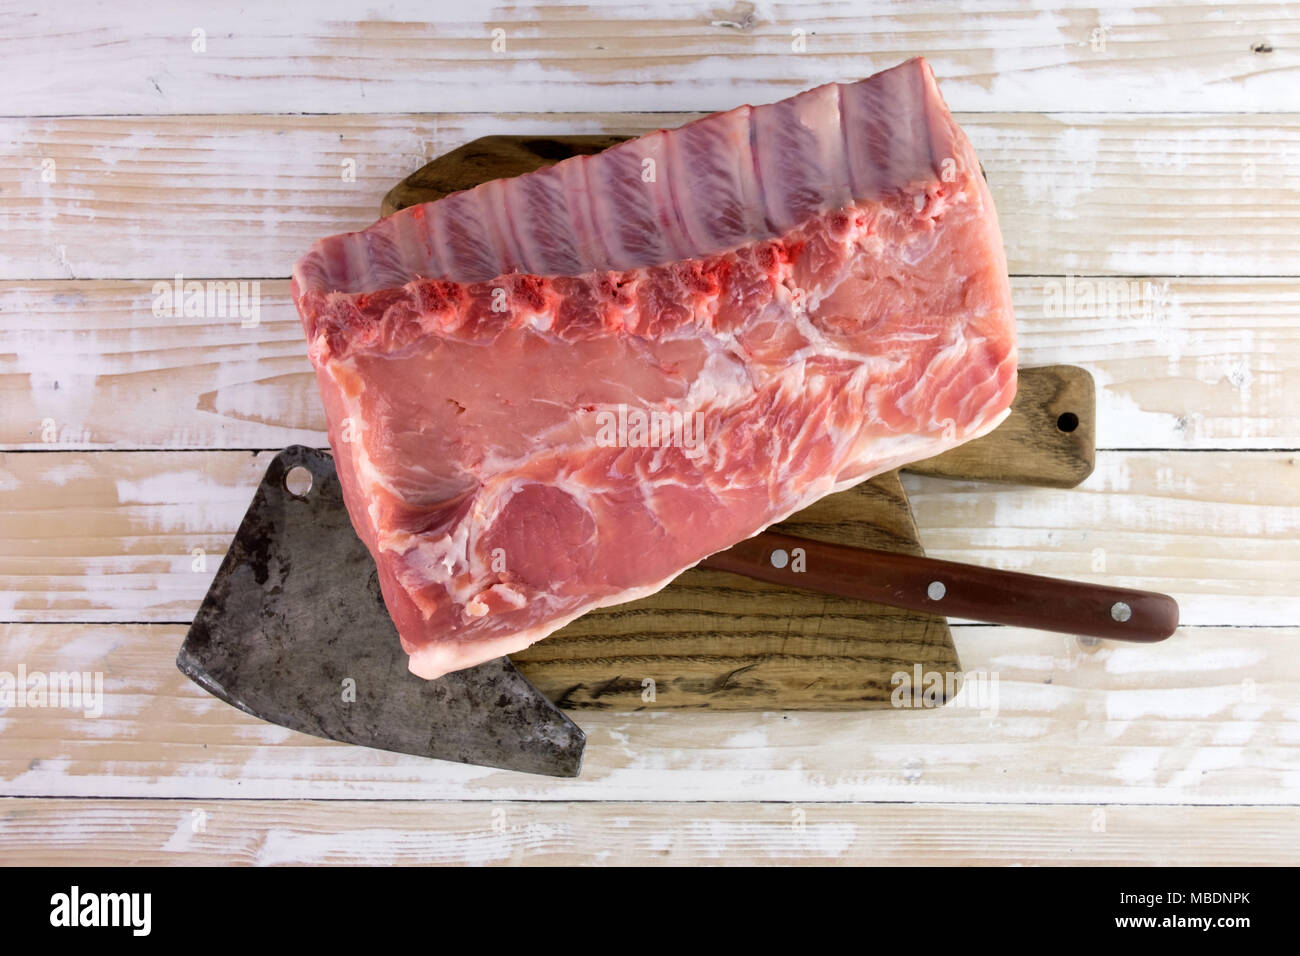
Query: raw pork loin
point(516, 376)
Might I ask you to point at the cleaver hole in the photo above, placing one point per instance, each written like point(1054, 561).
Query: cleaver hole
point(1068, 422)
point(298, 481)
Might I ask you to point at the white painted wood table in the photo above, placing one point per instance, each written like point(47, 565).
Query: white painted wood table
point(1145, 166)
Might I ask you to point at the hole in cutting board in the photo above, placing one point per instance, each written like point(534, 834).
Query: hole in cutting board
point(1068, 422)
point(297, 481)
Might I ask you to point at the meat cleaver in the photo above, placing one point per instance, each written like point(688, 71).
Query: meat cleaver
point(294, 630)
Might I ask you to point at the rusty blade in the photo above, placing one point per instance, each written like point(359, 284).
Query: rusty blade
point(294, 631)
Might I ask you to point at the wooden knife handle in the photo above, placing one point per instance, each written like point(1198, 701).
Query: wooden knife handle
point(953, 589)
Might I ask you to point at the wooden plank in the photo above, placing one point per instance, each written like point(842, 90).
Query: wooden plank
point(137, 536)
point(337, 57)
point(399, 832)
point(1207, 717)
point(1179, 363)
point(246, 196)
point(1206, 527)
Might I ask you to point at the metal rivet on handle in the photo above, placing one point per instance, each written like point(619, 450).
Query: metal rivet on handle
point(936, 591)
point(779, 558)
point(1121, 611)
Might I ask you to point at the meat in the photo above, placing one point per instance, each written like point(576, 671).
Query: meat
point(556, 392)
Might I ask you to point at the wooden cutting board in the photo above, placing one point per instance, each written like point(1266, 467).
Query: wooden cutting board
point(719, 641)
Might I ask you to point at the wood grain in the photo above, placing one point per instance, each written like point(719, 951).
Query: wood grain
point(412, 833)
point(1207, 717)
point(1207, 528)
point(335, 57)
point(1075, 193)
point(1179, 363)
point(113, 537)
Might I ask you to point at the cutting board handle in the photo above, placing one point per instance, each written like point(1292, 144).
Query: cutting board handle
point(952, 589)
point(1046, 440)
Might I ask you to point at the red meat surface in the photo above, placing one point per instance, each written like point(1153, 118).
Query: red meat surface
point(556, 392)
